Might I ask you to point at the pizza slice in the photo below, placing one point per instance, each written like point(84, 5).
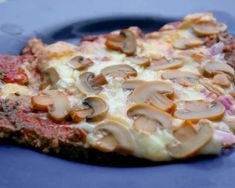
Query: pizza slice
point(160, 96)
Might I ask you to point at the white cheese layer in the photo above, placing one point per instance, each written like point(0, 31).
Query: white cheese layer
point(149, 146)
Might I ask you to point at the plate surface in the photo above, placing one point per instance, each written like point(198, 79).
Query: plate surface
point(22, 167)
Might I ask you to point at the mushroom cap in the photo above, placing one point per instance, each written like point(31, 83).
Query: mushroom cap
point(41, 102)
point(60, 107)
point(55, 102)
point(205, 28)
point(79, 115)
point(222, 80)
point(181, 77)
point(52, 75)
point(124, 42)
point(186, 43)
point(141, 61)
point(106, 144)
point(89, 83)
point(80, 63)
point(98, 105)
point(145, 124)
point(120, 70)
point(213, 68)
point(164, 64)
point(138, 110)
point(131, 84)
point(153, 93)
point(199, 109)
point(121, 133)
point(191, 145)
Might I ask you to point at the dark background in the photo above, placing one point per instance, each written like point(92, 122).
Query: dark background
point(20, 167)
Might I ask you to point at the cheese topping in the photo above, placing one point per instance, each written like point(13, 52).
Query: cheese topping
point(180, 43)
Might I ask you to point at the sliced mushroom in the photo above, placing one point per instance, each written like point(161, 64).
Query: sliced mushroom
point(181, 77)
point(186, 43)
point(163, 64)
point(199, 109)
point(205, 28)
point(153, 93)
point(124, 42)
point(120, 70)
point(106, 144)
point(211, 87)
point(79, 115)
point(41, 102)
point(122, 137)
point(161, 118)
point(91, 83)
point(145, 124)
point(191, 141)
point(213, 68)
point(98, 80)
point(232, 93)
point(184, 132)
point(60, 107)
point(53, 75)
point(141, 61)
point(131, 84)
point(221, 80)
point(99, 108)
point(80, 63)
point(55, 102)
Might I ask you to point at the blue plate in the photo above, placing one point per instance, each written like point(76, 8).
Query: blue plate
point(23, 167)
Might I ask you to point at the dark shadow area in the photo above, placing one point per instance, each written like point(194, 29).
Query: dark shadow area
point(96, 158)
point(74, 31)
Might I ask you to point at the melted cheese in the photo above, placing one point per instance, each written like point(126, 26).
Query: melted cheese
point(8, 89)
point(149, 146)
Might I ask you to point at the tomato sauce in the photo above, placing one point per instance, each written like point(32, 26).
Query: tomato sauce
point(11, 71)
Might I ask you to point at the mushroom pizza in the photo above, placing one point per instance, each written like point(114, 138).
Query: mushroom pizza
point(161, 96)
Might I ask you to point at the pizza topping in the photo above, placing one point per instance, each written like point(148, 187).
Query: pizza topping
point(13, 88)
point(163, 64)
point(60, 107)
point(106, 144)
point(58, 50)
point(79, 115)
point(160, 118)
point(205, 28)
point(211, 87)
point(221, 80)
point(55, 102)
point(91, 83)
point(213, 68)
point(185, 43)
point(120, 70)
point(191, 141)
point(181, 77)
point(52, 75)
point(131, 84)
point(98, 105)
point(146, 124)
point(141, 61)
point(11, 71)
point(202, 17)
point(80, 63)
point(41, 102)
point(153, 93)
point(199, 109)
point(170, 26)
point(124, 42)
point(122, 137)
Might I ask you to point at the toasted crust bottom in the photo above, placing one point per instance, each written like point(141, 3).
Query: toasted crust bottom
point(70, 151)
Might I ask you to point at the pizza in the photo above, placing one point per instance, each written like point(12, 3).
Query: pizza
point(161, 96)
